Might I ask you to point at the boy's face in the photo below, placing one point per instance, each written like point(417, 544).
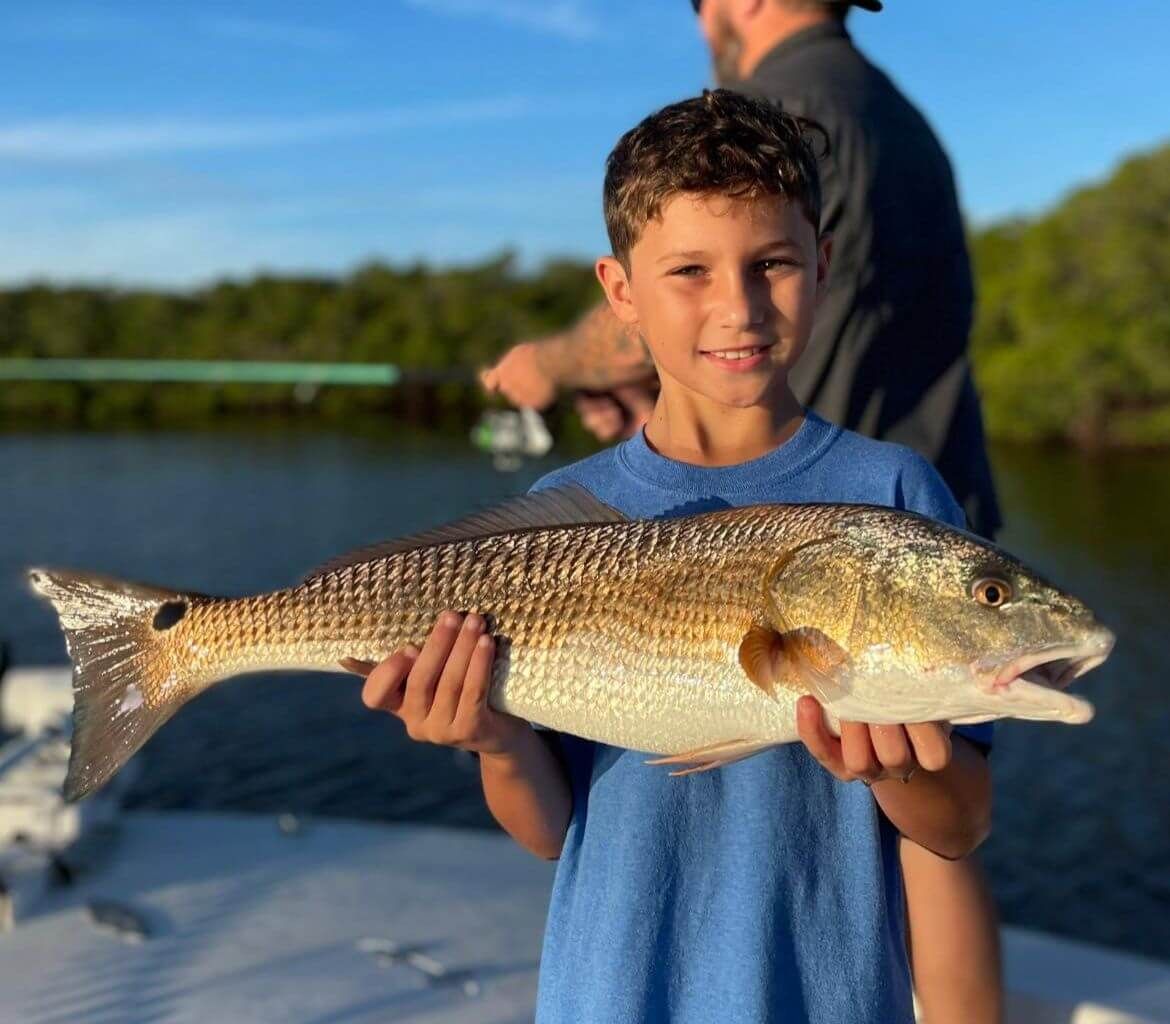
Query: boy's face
point(723, 291)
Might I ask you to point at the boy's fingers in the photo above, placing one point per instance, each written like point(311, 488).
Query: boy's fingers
point(383, 687)
point(857, 751)
point(823, 745)
point(424, 676)
point(478, 683)
point(892, 747)
point(932, 745)
point(357, 666)
point(451, 681)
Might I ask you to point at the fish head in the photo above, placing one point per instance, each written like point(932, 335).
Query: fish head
point(930, 623)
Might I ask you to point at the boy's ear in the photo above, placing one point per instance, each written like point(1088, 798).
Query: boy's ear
point(616, 284)
point(824, 258)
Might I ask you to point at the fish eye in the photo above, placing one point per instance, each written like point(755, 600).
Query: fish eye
point(991, 591)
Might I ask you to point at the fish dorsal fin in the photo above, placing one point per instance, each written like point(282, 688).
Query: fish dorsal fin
point(569, 505)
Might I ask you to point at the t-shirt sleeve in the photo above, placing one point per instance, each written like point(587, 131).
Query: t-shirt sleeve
point(553, 478)
point(922, 490)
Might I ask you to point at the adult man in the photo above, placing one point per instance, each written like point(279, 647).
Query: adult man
point(888, 358)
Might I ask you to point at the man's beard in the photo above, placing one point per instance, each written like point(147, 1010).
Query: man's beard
point(725, 52)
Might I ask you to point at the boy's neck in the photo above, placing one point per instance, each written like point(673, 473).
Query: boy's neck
point(690, 428)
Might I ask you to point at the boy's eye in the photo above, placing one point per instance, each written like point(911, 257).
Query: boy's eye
point(776, 263)
point(690, 270)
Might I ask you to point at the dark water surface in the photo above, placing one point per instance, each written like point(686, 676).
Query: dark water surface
point(1082, 835)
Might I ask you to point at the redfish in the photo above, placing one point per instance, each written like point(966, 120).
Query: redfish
point(691, 638)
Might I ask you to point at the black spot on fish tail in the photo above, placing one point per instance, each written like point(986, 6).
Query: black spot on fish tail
point(169, 614)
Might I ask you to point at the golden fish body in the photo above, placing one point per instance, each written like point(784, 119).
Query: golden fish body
point(692, 637)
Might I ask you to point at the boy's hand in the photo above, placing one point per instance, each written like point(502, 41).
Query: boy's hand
point(872, 753)
point(441, 692)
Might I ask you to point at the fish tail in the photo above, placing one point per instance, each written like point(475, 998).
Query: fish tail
point(128, 672)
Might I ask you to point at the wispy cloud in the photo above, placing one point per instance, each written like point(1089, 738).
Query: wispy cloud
point(161, 249)
point(80, 139)
point(563, 18)
point(275, 33)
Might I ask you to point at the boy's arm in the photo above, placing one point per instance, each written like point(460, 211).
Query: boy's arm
point(528, 794)
point(441, 693)
point(597, 353)
point(946, 804)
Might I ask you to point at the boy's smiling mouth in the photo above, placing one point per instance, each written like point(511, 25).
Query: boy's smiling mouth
point(738, 359)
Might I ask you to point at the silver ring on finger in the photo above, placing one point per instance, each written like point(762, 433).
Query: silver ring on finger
point(909, 774)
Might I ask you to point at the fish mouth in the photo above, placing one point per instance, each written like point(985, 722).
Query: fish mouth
point(1032, 684)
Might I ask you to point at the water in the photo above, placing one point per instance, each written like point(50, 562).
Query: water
point(1082, 833)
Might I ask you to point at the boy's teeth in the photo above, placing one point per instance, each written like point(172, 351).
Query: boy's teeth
point(739, 353)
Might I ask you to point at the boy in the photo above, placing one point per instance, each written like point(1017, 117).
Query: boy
point(767, 890)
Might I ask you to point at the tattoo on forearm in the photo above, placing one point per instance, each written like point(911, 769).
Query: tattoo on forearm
point(600, 352)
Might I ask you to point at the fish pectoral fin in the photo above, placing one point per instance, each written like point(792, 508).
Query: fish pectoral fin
point(757, 653)
point(800, 660)
point(703, 759)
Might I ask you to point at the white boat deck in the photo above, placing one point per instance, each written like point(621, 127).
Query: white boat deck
point(333, 923)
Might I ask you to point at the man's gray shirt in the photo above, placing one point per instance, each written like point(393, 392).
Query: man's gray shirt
point(888, 356)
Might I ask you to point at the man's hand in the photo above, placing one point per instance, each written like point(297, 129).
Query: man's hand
point(597, 353)
point(441, 692)
point(620, 413)
point(873, 753)
point(522, 377)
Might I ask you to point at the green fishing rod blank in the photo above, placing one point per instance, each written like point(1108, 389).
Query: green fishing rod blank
point(220, 371)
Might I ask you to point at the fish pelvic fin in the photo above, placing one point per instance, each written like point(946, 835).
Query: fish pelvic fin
point(123, 660)
point(703, 759)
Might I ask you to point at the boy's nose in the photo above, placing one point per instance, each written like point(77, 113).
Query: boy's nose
point(740, 304)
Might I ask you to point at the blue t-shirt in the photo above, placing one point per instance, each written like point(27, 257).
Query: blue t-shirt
point(762, 891)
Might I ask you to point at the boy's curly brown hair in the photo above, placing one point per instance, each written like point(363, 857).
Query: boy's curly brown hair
point(719, 143)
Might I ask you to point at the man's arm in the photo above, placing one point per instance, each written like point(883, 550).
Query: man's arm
point(598, 353)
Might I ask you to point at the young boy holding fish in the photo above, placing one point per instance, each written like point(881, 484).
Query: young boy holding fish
point(769, 889)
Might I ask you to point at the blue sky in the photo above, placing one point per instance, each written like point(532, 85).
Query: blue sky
point(179, 142)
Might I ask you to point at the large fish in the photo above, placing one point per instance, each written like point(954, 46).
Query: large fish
point(690, 637)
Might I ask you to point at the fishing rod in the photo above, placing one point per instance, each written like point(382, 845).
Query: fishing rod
point(225, 371)
point(508, 435)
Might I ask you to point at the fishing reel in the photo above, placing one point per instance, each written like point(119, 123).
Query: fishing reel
point(510, 436)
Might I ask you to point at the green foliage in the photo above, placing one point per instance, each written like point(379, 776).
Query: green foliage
point(416, 317)
point(1072, 338)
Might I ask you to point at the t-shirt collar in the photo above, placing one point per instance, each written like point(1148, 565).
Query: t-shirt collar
point(786, 459)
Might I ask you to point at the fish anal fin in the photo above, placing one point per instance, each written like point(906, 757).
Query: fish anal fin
point(570, 505)
point(706, 766)
point(802, 660)
point(703, 759)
